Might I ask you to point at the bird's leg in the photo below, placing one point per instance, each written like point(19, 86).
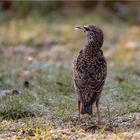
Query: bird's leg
point(98, 112)
point(95, 127)
point(78, 112)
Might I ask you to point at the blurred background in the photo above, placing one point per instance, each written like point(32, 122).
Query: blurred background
point(38, 43)
point(44, 30)
point(49, 25)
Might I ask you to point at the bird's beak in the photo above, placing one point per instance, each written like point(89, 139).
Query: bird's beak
point(80, 27)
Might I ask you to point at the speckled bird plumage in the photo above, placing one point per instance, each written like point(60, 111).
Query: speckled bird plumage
point(90, 69)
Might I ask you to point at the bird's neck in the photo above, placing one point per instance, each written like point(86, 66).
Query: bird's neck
point(91, 48)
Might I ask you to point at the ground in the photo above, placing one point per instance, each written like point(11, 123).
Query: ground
point(37, 97)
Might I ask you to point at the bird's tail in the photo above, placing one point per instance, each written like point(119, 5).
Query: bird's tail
point(86, 109)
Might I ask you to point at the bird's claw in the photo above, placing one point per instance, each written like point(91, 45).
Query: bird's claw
point(92, 128)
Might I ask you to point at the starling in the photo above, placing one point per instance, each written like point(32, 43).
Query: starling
point(89, 71)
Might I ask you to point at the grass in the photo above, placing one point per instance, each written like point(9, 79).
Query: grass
point(42, 53)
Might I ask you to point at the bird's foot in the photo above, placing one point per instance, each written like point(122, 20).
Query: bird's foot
point(92, 128)
point(109, 128)
point(78, 123)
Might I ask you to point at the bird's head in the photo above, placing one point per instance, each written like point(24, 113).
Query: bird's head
point(94, 34)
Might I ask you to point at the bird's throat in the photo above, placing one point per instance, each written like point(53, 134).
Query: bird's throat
point(91, 50)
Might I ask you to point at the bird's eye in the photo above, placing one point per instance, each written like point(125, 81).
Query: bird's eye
point(87, 29)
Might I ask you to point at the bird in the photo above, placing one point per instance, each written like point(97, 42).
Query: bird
point(90, 71)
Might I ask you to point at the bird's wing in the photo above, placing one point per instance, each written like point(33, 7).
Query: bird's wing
point(89, 78)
